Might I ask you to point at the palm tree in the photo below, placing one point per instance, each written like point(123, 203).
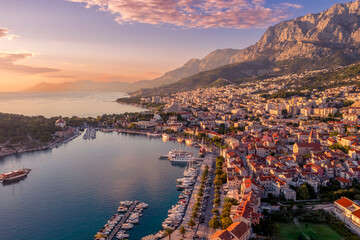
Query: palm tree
point(191, 223)
point(168, 232)
point(182, 231)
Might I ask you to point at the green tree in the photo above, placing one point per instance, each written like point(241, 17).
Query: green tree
point(214, 222)
point(191, 223)
point(303, 193)
point(226, 222)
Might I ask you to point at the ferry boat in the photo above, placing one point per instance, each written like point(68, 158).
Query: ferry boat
point(180, 156)
point(14, 175)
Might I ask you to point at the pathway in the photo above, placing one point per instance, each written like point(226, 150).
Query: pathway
point(296, 221)
point(118, 226)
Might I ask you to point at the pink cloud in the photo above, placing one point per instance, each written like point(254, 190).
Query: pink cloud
point(4, 33)
point(194, 13)
point(8, 62)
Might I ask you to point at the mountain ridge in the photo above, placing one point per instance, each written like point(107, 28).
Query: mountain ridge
point(315, 41)
point(311, 37)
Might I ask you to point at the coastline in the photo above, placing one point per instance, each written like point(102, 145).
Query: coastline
point(51, 145)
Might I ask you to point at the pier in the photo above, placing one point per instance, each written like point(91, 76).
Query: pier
point(122, 221)
point(124, 131)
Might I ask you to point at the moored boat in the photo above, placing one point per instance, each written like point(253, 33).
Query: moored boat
point(127, 226)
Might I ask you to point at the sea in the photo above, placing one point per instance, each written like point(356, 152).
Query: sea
point(65, 104)
point(73, 190)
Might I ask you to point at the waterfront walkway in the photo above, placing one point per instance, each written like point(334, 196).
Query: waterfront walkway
point(118, 226)
point(191, 231)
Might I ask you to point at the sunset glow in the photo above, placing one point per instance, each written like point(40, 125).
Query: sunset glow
point(114, 40)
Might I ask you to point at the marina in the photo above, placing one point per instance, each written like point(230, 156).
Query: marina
point(176, 213)
point(90, 133)
point(111, 230)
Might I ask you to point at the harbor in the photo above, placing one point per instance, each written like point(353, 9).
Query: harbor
point(132, 212)
point(119, 171)
point(180, 213)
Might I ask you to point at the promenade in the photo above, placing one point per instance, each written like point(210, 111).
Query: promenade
point(190, 232)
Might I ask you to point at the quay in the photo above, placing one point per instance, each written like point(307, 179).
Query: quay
point(176, 235)
point(121, 222)
point(124, 131)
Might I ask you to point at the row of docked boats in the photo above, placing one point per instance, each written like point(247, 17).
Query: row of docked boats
point(90, 134)
point(177, 212)
point(186, 185)
point(124, 218)
point(105, 231)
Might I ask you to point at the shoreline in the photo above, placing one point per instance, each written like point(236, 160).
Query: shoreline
point(56, 143)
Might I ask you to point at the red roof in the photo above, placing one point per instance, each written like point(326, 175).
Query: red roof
point(238, 229)
point(344, 202)
point(343, 180)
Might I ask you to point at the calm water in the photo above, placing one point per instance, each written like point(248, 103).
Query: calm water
point(73, 190)
point(64, 104)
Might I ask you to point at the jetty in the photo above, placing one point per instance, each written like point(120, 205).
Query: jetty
point(122, 221)
point(127, 131)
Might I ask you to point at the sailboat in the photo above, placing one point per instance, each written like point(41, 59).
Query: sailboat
point(190, 170)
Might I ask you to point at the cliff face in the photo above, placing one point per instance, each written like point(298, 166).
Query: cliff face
point(312, 36)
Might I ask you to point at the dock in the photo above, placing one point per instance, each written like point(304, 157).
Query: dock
point(122, 221)
point(127, 131)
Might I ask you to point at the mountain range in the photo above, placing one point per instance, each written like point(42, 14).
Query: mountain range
point(313, 41)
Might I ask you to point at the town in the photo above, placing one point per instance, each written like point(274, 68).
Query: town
point(276, 154)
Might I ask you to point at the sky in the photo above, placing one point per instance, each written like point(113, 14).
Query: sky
point(127, 40)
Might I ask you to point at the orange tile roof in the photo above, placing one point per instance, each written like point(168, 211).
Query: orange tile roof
point(344, 202)
point(217, 234)
point(356, 213)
